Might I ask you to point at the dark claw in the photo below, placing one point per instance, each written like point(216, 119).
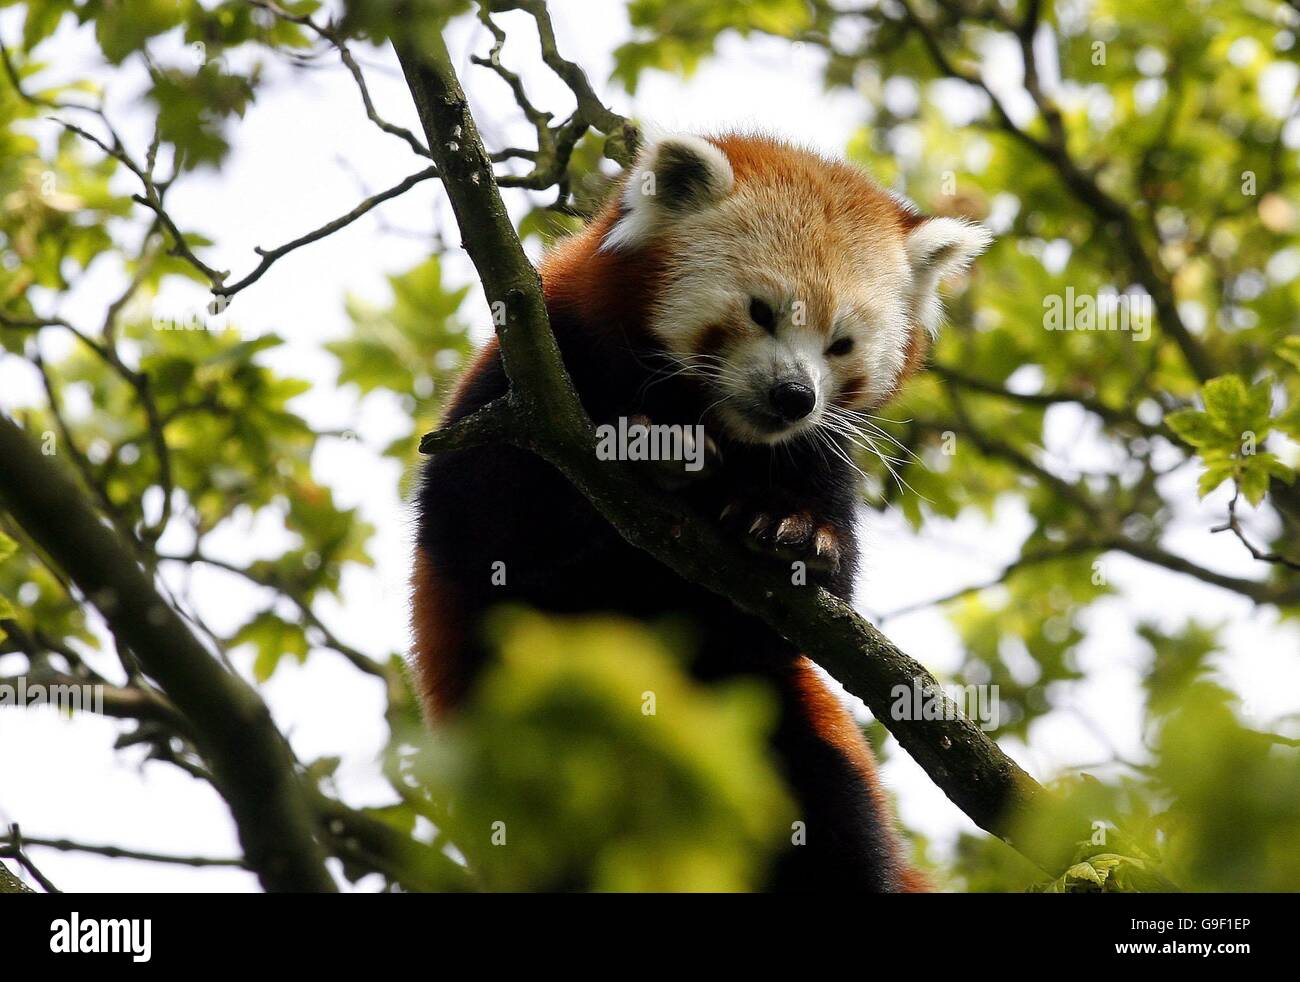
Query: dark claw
point(792, 535)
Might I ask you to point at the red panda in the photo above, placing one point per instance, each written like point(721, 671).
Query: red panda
point(773, 296)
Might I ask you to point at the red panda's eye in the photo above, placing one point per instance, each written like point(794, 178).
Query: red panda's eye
point(841, 347)
point(762, 314)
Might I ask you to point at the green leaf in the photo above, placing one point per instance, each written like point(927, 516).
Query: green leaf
point(1289, 422)
point(1257, 470)
point(1253, 483)
point(123, 26)
point(323, 768)
point(1086, 873)
point(6, 614)
point(272, 638)
point(1214, 475)
point(192, 109)
point(1179, 658)
point(1288, 349)
point(1197, 428)
point(415, 347)
point(7, 548)
point(676, 35)
point(1236, 409)
point(43, 18)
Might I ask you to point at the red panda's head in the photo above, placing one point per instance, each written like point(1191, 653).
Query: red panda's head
point(794, 285)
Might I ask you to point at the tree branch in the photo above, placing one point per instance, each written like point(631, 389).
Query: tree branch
point(590, 108)
point(270, 256)
point(1108, 414)
point(10, 883)
point(116, 852)
point(1026, 560)
point(359, 659)
point(1257, 590)
point(1233, 525)
point(332, 36)
point(11, 847)
point(252, 765)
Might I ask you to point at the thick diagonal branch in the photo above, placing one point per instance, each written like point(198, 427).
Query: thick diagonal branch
point(10, 883)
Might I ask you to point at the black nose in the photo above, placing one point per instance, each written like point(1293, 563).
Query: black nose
point(792, 400)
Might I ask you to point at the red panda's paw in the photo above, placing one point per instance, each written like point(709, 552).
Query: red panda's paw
point(684, 455)
point(792, 535)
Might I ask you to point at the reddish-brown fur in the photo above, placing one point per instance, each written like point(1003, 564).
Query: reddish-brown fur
point(838, 727)
point(604, 290)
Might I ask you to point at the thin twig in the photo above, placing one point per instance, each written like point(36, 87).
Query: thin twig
point(119, 852)
point(269, 256)
point(1233, 525)
point(12, 848)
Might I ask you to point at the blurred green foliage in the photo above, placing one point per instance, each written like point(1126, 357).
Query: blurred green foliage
point(588, 760)
point(675, 36)
point(416, 347)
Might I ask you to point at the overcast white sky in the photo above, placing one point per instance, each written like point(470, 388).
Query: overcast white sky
point(304, 154)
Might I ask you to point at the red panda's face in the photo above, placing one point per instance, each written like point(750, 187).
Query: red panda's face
point(793, 285)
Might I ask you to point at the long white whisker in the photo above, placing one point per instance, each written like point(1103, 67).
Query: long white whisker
point(885, 459)
point(840, 416)
point(842, 455)
point(865, 441)
point(865, 415)
point(862, 440)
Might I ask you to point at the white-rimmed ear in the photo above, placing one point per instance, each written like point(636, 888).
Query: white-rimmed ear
point(673, 176)
point(936, 248)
